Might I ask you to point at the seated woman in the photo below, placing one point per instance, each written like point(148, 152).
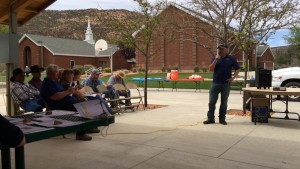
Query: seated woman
point(69, 80)
point(36, 81)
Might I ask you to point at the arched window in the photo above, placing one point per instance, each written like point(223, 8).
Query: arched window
point(27, 56)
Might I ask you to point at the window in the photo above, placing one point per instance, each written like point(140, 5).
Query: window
point(103, 64)
point(27, 56)
point(72, 63)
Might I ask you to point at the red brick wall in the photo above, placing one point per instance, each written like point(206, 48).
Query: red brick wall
point(35, 53)
point(49, 58)
point(181, 50)
point(120, 62)
point(266, 60)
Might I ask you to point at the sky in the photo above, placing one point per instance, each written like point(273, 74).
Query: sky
point(275, 40)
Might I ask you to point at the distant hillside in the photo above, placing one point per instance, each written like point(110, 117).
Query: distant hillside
point(72, 24)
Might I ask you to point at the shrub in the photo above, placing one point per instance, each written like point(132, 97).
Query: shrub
point(196, 69)
point(164, 69)
point(253, 68)
point(87, 67)
point(107, 70)
point(169, 68)
point(142, 70)
point(134, 69)
point(79, 67)
point(243, 68)
point(204, 69)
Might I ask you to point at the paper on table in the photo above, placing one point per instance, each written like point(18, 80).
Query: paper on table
point(89, 109)
point(50, 123)
point(30, 129)
point(58, 113)
point(91, 95)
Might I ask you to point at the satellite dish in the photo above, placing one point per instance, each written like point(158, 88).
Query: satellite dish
point(100, 45)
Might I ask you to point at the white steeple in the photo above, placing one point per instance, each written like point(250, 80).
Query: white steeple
point(89, 34)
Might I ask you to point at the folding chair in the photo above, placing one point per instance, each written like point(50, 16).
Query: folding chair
point(132, 86)
point(88, 89)
point(120, 87)
point(113, 102)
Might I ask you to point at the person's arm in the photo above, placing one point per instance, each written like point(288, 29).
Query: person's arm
point(22, 143)
point(110, 81)
point(236, 72)
point(10, 135)
point(237, 68)
point(34, 90)
point(213, 63)
point(61, 95)
point(20, 93)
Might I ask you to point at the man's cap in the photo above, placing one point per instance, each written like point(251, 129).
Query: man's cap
point(222, 46)
point(96, 71)
point(121, 74)
point(36, 68)
point(16, 72)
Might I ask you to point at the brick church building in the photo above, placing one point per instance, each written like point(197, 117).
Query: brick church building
point(66, 53)
point(189, 47)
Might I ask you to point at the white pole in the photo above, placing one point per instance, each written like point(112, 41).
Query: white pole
point(111, 61)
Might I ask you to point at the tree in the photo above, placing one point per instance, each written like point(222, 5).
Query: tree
point(138, 32)
point(3, 28)
point(294, 45)
point(243, 24)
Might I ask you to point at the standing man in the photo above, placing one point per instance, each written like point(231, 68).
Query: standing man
point(222, 66)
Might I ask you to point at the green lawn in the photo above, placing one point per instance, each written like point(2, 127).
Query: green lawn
point(153, 84)
point(180, 85)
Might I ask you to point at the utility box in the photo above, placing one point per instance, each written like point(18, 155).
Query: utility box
point(260, 110)
point(9, 47)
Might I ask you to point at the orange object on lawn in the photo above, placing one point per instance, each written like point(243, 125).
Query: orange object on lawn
point(174, 74)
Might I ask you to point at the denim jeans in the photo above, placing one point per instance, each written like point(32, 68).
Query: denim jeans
point(101, 101)
point(34, 105)
point(215, 89)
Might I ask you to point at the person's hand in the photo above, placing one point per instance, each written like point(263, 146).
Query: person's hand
point(230, 80)
point(79, 93)
point(217, 57)
point(71, 90)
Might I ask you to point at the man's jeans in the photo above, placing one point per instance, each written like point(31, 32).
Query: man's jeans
point(215, 89)
point(34, 105)
point(101, 101)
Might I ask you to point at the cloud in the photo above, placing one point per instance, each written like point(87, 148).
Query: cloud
point(278, 39)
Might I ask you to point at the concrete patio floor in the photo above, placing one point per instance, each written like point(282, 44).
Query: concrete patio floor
point(173, 137)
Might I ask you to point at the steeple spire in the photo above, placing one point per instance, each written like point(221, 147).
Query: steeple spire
point(89, 34)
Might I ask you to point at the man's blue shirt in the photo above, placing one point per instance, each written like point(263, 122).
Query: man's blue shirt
point(49, 88)
point(223, 69)
point(92, 83)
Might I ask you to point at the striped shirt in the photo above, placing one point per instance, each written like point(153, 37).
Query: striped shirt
point(22, 92)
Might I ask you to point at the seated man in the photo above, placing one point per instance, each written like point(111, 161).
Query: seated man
point(119, 79)
point(93, 81)
point(26, 96)
point(57, 98)
point(10, 135)
point(36, 76)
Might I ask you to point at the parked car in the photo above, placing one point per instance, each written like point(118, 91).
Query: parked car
point(287, 77)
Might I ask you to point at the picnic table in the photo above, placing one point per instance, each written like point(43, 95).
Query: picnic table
point(160, 81)
point(84, 124)
point(197, 82)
